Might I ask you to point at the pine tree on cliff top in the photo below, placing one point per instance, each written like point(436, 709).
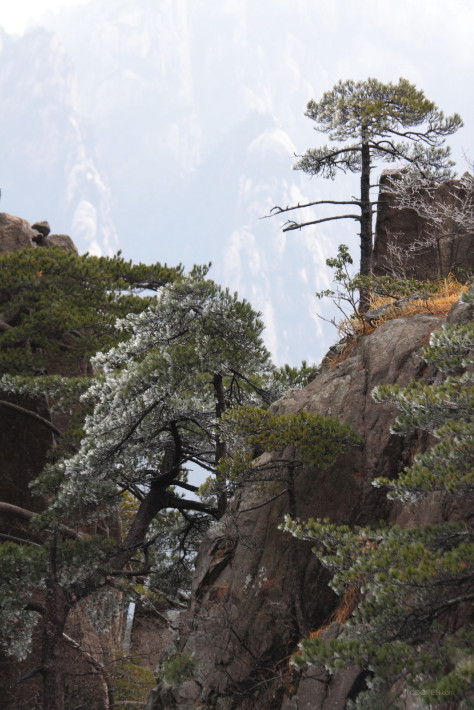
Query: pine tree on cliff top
point(370, 122)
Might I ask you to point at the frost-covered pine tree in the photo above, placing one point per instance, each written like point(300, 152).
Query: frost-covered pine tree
point(155, 404)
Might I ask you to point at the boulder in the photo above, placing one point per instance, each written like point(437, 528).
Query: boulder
point(434, 240)
point(60, 240)
point(42, 227)
point(15, 233)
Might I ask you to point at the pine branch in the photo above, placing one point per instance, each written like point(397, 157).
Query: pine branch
point(17, 512)
point(32, 415)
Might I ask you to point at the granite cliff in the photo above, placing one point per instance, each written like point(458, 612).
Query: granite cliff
point(257, 591)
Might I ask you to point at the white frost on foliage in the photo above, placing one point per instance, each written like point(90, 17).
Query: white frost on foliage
point(159, 378)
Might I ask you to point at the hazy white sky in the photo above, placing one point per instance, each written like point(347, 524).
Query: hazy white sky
point(16, 14)
point(300, 49)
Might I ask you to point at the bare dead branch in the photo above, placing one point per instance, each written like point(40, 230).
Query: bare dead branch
point(279, 210)
point(101, 670)
point(299, 225)
point(18, 540)
point(266, 502)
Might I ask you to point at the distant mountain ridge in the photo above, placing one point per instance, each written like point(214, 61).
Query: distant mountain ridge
point(163, 131)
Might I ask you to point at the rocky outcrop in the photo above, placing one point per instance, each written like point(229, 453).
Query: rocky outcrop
point(17, 233)
point(59, 240)
point(257, 591)
point(433, 237)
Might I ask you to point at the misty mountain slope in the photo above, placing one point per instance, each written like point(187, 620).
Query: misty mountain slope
point(47, 150)
point(168, 131)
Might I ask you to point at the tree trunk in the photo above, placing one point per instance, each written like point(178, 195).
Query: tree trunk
point(296, 581)
point(56, 610)
point(365, 223)
point(219, 394)
point(154, 501)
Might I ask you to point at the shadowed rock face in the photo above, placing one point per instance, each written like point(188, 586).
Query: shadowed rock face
point(445, 245)
point(257, 590)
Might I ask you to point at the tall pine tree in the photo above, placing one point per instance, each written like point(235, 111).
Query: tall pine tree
point(370, 122)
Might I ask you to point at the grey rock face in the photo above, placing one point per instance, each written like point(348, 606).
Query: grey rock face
point(59, 240)
point(15, 233)
point(433, 240)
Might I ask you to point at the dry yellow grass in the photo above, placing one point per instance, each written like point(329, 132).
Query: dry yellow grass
point(438, 304)
point(342, 612)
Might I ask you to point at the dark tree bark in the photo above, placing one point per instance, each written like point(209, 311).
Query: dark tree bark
point(56, 609)
point(154, 501)
point(365, 223)
point(219, 394)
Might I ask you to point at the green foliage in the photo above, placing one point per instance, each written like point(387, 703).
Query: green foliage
point(178, 669)
point(315, 440)
point(412, 582)
point(286, 376)
point(443, 410)
point(132, 681)
point(57, 301)
point(396, 121)
point(56, 309)
point(452, 346)
point(345, 295)
point(17, 623)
